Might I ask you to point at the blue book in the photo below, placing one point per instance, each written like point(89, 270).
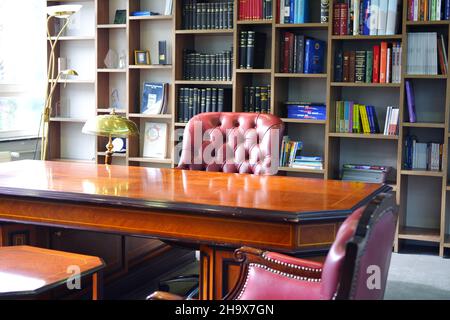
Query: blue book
point(306, 108)
point(153, 97)
point(291, 11)
point(370, 115)
point(314, 56)
point(366, 19)
point(447, 10)
point(306, 158)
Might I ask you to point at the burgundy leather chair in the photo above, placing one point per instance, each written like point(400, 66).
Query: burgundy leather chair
point(238, 142)
point(356, 266)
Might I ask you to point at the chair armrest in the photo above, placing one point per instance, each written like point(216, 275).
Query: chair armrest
point(161, 295)
point(280, 262)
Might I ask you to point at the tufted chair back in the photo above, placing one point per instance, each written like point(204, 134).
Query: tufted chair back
point(232, 142)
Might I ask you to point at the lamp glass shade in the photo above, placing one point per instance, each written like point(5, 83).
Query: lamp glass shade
point(63, 11)
point(110, 125)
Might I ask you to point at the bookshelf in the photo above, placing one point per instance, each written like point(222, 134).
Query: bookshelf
point(416, 222)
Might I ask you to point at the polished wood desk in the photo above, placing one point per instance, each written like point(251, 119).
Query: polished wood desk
point(217, 211)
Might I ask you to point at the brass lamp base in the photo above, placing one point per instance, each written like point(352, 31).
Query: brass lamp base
point(109, 151)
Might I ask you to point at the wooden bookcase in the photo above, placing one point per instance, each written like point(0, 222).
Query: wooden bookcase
point(415, 190)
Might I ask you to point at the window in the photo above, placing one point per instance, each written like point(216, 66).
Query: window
point(22, 67)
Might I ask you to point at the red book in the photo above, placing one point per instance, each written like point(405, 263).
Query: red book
point(352, 66)
point(288, 44)
point(343, 22)
point(241, 9)
point(346, 67)
point(383, 61)
point(442, 65)
point(376, 64)
point(336, 19)
point(277, 16)
point(410, 10)
point(259, 3)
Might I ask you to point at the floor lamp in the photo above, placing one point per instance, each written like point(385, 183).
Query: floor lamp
point(58, 12)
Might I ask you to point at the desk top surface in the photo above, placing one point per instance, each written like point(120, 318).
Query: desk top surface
point(243, 195)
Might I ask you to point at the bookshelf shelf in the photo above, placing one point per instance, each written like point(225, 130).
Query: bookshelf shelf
point(424, 125)
point(421, 234)
point(112, 26)
point(311, 25)
point(151, 66)
point(199, 82)
point(206, 32)
point(73, 38)
point(426, 76)
point(63, 119)
point(423, 173)
point(150, 116)
point(112, 70)
point(364, 37)
point(363, 136)
point(288, 120)
point(116, 154)
point(150, 160)
point(253, 70)
point(371, 85)
point(149, 18)
point(289, 169)
point(180, 124)
point(73, 81)
point(301, 75)
point(103, 110)
point(250, 22)
point(428, 23)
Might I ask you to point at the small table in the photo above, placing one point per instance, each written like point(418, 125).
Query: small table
point(26, 270)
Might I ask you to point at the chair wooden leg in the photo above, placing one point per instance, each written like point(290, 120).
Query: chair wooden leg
point(97, 286)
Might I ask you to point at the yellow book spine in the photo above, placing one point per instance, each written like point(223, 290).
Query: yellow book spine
point(364, 118)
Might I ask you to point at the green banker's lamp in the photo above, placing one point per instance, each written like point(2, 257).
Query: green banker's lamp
point(58, 12)
point(111, 125)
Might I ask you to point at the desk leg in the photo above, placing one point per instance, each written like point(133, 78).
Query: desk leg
point(218, 272)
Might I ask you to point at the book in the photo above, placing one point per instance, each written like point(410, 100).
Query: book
point(314, 56)
point(324, 11)
point(120, 17)
point(168, 8)
point(162, 52)
point(155, 140)
point(154, 97)
point(410, 101)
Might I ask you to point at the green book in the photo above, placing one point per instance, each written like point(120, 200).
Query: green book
point(338, 113)
point(369, 66)
point(357, 123)
point(342, 117)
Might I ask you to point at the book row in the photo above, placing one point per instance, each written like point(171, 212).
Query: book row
point(207, 15)
point(422, 155)
point(306, 111)
point(207, 67)
point(193, 101)
point(427, 53)
point(301, 55)
point(382, 64)
point(255, 9)
point(428, 10)
point(289, 156)
point(298, 11)
point(358, 118)
point(366, 17)
point(257, 99)
point(252, 49)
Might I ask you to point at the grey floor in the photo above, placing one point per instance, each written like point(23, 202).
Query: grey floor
point(418, 276)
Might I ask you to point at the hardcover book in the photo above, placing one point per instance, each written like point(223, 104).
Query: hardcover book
point(154, 97)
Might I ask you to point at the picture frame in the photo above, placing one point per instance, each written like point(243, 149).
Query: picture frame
point(141, 57)
point(155, 140)
point(120, 17)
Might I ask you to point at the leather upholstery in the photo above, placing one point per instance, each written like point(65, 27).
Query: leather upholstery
point(236, 143)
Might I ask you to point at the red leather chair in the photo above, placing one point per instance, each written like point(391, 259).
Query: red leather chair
point(356, 266)
point(238, 142)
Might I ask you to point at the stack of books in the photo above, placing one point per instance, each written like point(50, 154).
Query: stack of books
point(309, 163)
point(306, 110)
point(366, 17)
point(207, 67)
point(301, 55)
point(252, 49)
point(380, 65)
point(365, 173)
point(428, 10)
point(357, 118)
point(422, 156)
point(289, 150)
point(257, 99)
point(255, 9)
point(427, 53)
point(192, 101)
point(213, 15)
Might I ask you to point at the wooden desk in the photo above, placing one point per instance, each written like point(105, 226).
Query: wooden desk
point(218, 211)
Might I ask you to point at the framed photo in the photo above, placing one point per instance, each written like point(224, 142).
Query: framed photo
point(141, 57)
point(155, 140)
point(120, 17)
